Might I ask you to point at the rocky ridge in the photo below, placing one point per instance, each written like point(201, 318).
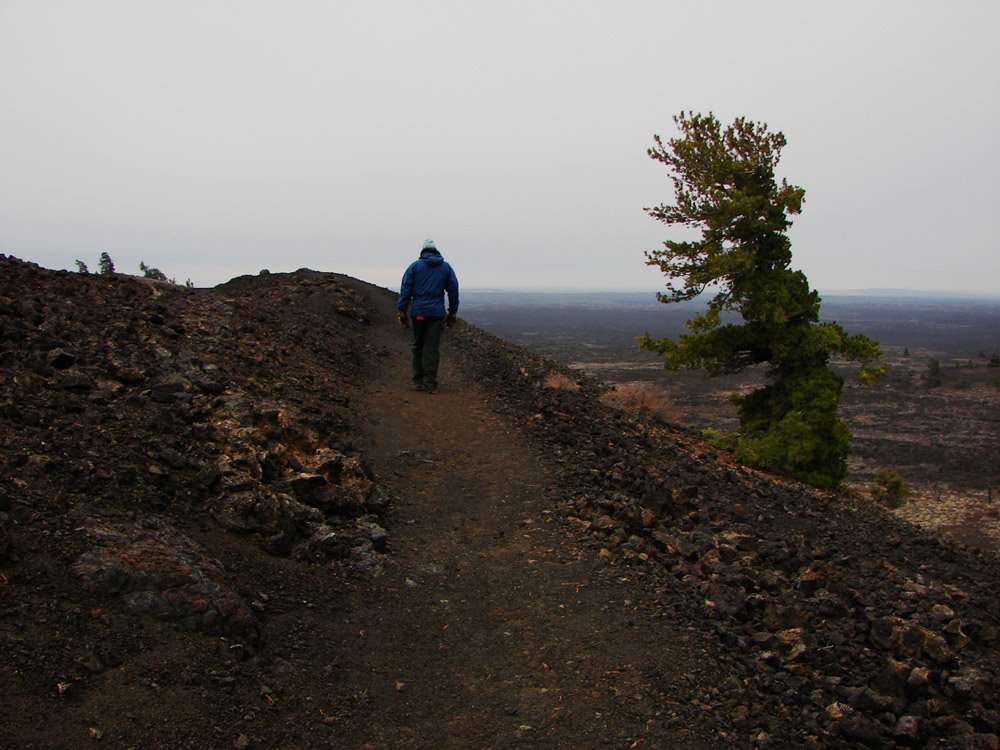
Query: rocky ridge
point(150, 428)
point(139, 416)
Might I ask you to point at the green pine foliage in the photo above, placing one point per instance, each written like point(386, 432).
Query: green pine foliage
point(724, 186)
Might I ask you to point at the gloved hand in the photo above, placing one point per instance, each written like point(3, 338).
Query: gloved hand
point(450, 320)
point(404, 320)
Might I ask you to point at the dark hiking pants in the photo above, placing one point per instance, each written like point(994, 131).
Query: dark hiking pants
point(426, 350)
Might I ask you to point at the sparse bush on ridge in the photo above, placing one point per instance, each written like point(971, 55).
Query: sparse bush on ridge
point(153, 273)
point(156, 274)
point(106, 267)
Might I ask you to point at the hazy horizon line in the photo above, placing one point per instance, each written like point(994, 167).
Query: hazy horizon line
point(885, 292)
point(868, 292)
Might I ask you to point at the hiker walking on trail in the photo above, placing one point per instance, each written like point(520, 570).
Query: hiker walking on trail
point(422, 292)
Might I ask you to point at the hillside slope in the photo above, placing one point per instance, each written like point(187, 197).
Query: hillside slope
point(225, 522)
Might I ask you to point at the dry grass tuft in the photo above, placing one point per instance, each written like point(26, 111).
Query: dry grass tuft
point(645, 399)
point(561, 382)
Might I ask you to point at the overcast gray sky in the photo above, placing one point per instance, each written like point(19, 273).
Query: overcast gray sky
point(213, 139)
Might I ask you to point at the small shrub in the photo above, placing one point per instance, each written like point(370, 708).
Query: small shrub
point(868, 375)
point(152, 273)
point(933, 377)
point(560, 382)
point(718, 438)
point(644, 399)
point(994, 360)
point(890, 489)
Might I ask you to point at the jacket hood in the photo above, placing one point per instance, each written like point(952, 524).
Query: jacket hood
point(432, 257)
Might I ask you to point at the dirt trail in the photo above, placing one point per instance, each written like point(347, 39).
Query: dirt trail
point(492, 627)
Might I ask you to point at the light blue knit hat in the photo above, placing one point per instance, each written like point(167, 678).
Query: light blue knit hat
point(429, 245)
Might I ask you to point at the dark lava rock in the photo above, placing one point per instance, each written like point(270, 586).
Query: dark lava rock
point(164, 574)
point(858, 728)
point(60, 359)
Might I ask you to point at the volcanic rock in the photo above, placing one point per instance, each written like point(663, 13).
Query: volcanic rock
point(163, 573)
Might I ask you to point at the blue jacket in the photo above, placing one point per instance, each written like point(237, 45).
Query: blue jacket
point(424, 285)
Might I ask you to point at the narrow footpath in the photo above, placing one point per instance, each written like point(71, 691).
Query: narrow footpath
point(493, 626)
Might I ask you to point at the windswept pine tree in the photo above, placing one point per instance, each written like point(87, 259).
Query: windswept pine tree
point(724, 186)
point(106, 265)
